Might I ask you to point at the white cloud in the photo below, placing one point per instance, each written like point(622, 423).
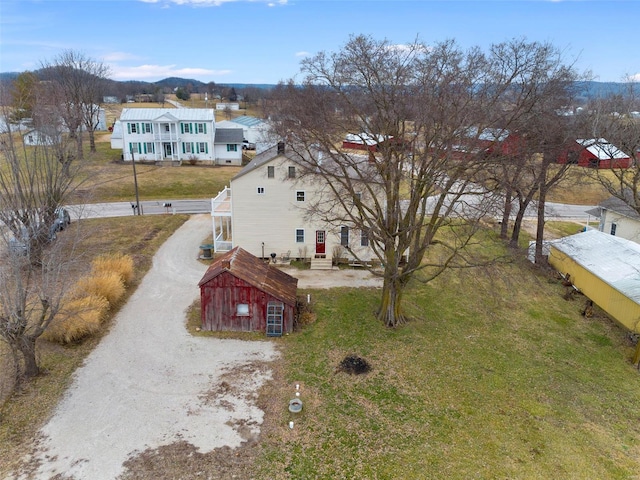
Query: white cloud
point(119, 56)
point(634, 78)
point(146, 72)
point(302, 54)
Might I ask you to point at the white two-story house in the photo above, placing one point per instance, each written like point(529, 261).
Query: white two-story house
point(266, 211)
point(176, 134)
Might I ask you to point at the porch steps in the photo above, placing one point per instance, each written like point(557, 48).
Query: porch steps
point(321, 264)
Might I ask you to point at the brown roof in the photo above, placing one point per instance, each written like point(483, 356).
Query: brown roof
point(254, 271)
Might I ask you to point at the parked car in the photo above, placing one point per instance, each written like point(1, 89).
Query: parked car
point(246, 145)
point(61, 221)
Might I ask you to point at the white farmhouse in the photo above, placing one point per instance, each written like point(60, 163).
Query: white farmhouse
point(265, 212)
point(176, 134)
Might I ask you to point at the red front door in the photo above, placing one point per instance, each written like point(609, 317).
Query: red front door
point(320, 242)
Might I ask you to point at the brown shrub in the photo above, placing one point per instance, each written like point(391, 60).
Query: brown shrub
point(121, 264)
point(108, 285)
point(77, 319)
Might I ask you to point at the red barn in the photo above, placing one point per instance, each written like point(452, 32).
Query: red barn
point(239, 292)
point(595, 153)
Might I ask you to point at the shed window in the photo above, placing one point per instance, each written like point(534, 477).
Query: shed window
point(271, 171)
point(260, 190)
point(292, 172)
point(232, 147)
point(300, 235)
point(300, 196)
point(242, 309)
point(614, 227)
point(274, 318)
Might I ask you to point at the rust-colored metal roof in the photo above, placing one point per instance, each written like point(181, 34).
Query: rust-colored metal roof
point(254, 271)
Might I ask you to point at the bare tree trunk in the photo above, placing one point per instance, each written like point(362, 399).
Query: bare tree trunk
point(92, 141)
point(506, 214)
point(390, 312)
point(27, 347)
point(79, 154)
point(517, 226)
point(542, 192)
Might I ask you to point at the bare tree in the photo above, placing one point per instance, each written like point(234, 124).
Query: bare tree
point(35, 258)
point(77, 84)
point(423, 102)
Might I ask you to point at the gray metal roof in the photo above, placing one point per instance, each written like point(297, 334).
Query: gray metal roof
point(175, 114)
point(247, 121)
point(618, 205)
point(612, 259)
point(228, 135)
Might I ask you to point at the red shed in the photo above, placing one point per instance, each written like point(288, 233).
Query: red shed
point(239, 292)
point(595, 153)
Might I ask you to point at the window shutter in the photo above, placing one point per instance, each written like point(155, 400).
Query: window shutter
point(183, 149)
point(193, 150)
point(206, 148)
point(205, 128)
point(182, 128)
point(145, 147)
point(128, 127)
point(130, 147)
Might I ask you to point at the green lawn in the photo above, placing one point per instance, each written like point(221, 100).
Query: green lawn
point(104, 178)
point(496, 377)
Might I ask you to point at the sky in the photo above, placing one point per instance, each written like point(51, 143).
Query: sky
point(263, 41)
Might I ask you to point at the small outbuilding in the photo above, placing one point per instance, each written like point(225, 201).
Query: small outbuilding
point(606, 269)
point(240, 292)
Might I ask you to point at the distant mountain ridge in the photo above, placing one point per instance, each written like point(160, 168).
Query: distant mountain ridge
point(586, 89)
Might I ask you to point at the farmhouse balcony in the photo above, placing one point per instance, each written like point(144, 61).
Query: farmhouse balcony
point(165, 137)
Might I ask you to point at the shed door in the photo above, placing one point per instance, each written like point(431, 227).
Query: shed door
point(275, 312)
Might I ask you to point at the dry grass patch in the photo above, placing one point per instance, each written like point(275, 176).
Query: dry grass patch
point(77, 319)
point(116, 263)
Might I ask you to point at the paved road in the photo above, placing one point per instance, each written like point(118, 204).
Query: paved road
point(147, 207)
point(153, 207)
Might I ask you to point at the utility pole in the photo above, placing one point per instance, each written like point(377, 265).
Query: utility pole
point(135, 182)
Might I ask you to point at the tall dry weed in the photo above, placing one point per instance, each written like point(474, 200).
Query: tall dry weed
point(108, 285)
point(121, 264)
point(78, 318)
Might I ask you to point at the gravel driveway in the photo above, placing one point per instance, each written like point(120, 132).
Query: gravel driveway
point(149, 383)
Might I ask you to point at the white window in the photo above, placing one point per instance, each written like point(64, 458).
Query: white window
point(134, 147)
point(300, 235)
point(242, 309)
point(364, 239)
point(146, 128)
point(187, 147)
point(292, 172)
point(133, 127)
point(260, 190)
point(299, 196)
point(149, 147)
point(344, 236)
point(202, 147)
point(271, 171)
point(200, 127)
point(232, 147)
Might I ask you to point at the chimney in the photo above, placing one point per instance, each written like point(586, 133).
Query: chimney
point(280, 148)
